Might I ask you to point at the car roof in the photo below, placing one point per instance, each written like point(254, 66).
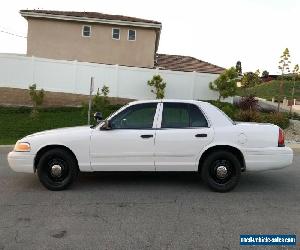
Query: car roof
point(166, 100)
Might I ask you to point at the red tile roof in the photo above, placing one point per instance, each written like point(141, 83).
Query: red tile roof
point(95, 15)
point(186, 63)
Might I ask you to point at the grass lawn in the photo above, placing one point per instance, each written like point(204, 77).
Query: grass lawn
point(271, 89)
point(16, 123)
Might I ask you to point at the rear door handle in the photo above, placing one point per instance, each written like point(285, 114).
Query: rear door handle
point(201, 135)
point(146, 136)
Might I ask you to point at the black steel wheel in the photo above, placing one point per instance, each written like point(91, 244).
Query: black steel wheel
point(57, 169)
point(221, 171)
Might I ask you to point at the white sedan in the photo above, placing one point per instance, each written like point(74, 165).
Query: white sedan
point(155, 135)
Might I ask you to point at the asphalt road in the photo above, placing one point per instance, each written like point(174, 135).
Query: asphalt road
point(145, 211)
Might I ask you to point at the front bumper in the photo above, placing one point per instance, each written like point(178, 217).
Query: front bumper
point(268, 158)
point(21, 161)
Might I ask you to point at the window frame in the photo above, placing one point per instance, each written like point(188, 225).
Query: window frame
point(90, 31)
point(135, 105)
point(112, 33)
point(189, 104)
point(134, 35)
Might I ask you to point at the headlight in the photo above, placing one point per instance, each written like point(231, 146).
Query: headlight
point(22, 147)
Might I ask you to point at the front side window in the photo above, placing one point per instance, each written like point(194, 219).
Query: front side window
point(182, 115)
point(116, 33)
point(139, 116)
point(86, 30)
point(131, 35)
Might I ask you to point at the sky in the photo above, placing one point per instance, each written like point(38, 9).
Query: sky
point(221, 32)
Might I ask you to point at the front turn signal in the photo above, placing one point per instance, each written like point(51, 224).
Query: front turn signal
point(22, 147)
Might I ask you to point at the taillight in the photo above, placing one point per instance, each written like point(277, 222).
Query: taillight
point(280, 138)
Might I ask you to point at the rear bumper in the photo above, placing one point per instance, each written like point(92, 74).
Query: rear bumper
point(21, 162)
point(260, 159)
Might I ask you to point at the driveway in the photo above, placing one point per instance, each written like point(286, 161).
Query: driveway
point(145, 210)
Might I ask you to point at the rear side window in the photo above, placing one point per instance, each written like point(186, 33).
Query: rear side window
point(182, 115)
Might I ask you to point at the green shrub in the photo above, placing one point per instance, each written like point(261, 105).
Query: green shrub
point(225, 84)
point(248, 116)
point(279, 119)
point(250, 79)
point(229, 111)
point(37, 98)
point(228, 108)
point(159, 86)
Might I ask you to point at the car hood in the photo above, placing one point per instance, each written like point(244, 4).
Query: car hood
point(61, 131)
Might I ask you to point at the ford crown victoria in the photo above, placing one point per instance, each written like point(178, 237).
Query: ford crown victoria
point(155, 135)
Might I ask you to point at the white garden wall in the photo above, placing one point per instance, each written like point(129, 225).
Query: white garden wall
point(19, 71)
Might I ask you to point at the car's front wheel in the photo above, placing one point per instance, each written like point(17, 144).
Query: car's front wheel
point(57, 169)
point(221, 171)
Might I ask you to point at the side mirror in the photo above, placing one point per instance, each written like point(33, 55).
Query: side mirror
point(106, 125)
point(98, 117)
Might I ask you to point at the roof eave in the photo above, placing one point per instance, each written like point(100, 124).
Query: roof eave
point(90, 20)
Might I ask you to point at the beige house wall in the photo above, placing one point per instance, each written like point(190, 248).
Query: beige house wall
point(63, 40)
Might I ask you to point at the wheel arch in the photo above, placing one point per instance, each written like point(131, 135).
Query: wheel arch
point(229, 148)
point(48, 147)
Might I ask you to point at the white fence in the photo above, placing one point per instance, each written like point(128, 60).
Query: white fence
point(19, 71)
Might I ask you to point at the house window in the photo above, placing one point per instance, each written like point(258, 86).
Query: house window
point(116, 33)
point(86, 30)
point(131, 35)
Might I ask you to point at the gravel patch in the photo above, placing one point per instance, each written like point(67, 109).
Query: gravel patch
point(292, 133)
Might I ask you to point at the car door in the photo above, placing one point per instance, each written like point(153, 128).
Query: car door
point(183, 133)
point(129, 143)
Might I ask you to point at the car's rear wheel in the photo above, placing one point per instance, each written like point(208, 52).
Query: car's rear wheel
point(57, 169)
point(221, 171)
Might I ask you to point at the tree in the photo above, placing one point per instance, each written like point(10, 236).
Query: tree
point(250, 79)
point(265, 74)
point(100, 100)
point(105, 91)
point(257, 72)
point(239, 67)
point(284, 67)
point(159, 86)
point(284, 63)
point(37, 98)
point(296, 73)
point(225, 83)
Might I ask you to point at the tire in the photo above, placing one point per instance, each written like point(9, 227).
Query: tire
point(57, 169)
point(221, 171)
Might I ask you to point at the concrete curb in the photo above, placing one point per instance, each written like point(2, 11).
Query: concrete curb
point(7, 146)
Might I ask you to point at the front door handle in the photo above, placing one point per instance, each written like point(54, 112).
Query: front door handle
point(146, 136)
point(201, 135)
